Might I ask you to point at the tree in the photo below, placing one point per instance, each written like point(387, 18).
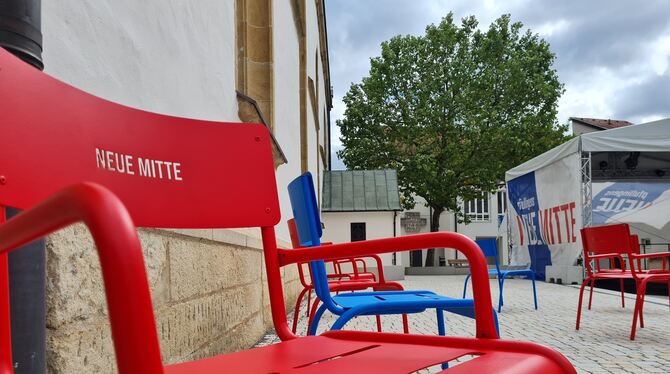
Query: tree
point(452, 110)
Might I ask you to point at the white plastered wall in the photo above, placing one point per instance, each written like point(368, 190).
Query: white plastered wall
point(286, 104)
point(378, 225)
point(172, 57)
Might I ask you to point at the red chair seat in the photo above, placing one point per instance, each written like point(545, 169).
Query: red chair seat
point(367, 275)
point(336, 351)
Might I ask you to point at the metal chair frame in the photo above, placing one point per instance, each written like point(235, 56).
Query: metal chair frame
point(490, 249)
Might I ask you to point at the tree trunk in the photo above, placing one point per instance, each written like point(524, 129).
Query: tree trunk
point(434, 227)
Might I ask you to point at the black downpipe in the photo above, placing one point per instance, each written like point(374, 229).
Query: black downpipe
point(20, 33)
point(21, 29)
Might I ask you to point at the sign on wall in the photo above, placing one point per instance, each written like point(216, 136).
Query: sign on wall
point(546, 215)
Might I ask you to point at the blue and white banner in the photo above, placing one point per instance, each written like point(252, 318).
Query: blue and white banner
point(632, 202)
point(546, 215)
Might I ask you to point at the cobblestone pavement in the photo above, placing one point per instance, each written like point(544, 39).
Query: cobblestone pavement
point(600, 346)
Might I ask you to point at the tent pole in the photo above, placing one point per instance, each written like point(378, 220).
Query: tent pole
point(586, 193)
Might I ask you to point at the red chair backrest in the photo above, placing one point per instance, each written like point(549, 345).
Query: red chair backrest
point(293, 232)
point(169, 172)
point(635, 244)
point(605, 240)
point(53, 135)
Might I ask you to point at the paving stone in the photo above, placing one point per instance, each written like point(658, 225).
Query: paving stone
point(600, 346)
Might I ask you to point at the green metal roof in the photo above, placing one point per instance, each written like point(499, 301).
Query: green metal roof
point(360, 190)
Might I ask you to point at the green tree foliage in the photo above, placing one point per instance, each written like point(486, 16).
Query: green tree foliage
point(452, 110)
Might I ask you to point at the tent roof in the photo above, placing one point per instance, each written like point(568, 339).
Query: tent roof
point(645, 137)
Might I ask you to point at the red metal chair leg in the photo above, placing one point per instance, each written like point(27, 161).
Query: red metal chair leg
point(623, 303)
point(296, 312)
point(639, 300)
point(641, 311)
point(379, 323)
point(579, 306)
point(405, 324)
point(593, 281)
point(309, 300)
point(315, 306)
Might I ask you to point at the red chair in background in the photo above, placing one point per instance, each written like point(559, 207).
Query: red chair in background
point(613, 254)
point(613, 242)
point(220, 175)
point(348, 284)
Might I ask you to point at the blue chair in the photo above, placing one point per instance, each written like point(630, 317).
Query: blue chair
point(350, 305)
point(490, 249)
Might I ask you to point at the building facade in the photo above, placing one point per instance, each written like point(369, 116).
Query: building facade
point(237, 61)
point(486, 215)
point(363, 205)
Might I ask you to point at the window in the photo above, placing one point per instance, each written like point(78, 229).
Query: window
point(477, 210)
point(502, 202)
point(357, 231)
point(502, 205)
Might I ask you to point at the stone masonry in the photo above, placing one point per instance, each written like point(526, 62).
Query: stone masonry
point(209, 296)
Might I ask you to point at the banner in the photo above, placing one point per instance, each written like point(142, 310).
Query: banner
point(546, 215)
point(631, 202)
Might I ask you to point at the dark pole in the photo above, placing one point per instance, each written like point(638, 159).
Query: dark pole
point(20, 33)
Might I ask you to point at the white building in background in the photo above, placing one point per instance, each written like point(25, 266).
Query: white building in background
point(486, 215)
point(365, 204)
point(362, 205)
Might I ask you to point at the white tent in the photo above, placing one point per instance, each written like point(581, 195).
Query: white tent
point(646, 137)
point(618, 175)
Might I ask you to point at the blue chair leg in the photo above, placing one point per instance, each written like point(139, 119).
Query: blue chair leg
point(440, 322)
point(317, 317)
point(532, 278)
point(344, 318)
point(465, 285)
point(501, 284)
point(441, 330)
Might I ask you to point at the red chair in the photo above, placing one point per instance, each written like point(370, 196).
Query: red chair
point(341, 285)
point(616, 265)
point(212, 175)
point(613, 254)
point(613, 242)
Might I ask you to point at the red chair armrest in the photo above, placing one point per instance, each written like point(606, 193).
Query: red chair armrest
point(360, 260)
point(378, 261)
point(664, 256)
point(610, 257)
point(607, 255)
point(465, 245)
point(651, 255)
point(121, 261)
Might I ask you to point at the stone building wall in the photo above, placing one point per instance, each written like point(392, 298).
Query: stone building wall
point(209, 297)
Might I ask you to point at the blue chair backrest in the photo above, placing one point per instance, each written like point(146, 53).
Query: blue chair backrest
point(489, 248)
point(308, 224)
point(305, 210)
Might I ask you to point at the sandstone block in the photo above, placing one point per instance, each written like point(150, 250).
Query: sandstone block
point(201, 267)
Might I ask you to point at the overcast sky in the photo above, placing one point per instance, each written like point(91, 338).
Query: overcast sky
point(612, 55)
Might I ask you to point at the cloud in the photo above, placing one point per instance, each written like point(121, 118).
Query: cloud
point(645, 101)
point(612, 55)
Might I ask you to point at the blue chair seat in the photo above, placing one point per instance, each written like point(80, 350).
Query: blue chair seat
point(395, 302)
point(389, 302)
